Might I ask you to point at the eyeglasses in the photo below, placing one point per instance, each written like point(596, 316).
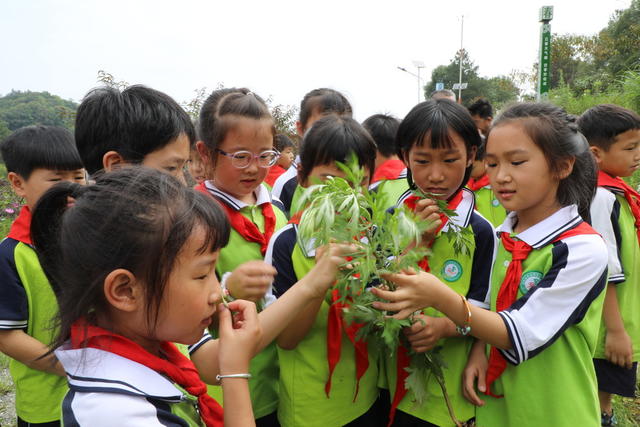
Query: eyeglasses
point(242, 159)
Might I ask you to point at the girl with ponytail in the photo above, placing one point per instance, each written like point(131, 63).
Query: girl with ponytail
point(532, 357)
point(133, 258)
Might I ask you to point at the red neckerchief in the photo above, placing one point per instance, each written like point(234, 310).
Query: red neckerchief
point(632, 196)
point(335, 325)
point(476, 184)
point(274, 172)
point(21, 227)
point(508, 292)
point(403, 360)
point(389, 169)
point(247, 229)
point(177, 367)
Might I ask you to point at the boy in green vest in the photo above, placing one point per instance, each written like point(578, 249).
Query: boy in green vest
point(36, 157)
point(613, 133)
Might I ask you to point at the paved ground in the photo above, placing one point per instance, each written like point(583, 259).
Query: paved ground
point(7, 408)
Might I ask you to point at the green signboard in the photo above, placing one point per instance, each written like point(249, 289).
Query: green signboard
point(544, 67)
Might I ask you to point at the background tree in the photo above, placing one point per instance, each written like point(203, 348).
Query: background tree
point(499, 90)
point(593, 65)
point(618, 47)
point(285, 117)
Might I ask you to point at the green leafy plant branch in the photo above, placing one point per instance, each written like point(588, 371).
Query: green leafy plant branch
point(387, 241)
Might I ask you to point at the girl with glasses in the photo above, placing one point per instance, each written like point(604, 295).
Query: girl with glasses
point(237, 133)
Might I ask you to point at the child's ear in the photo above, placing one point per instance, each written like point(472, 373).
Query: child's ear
point(299, 128)
point(404, 156)
point(123, 291)
point(472, 155)
point(203, 151)
point(17, 183)
point(112, 160)
point(566, 167)
point(301, 181)
point(597, 153)
point(207, 158)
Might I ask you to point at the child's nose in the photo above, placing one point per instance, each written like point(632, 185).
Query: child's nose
point(436, 173)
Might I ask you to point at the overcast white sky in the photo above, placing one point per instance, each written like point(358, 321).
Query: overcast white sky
point(278, 48)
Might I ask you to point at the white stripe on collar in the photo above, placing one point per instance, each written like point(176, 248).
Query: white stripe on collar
point(89, 368)
point(614, 189)
point(546, 230)
point(261, 192)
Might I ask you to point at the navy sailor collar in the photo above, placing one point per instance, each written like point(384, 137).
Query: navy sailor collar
point(545, 231)
point(92, 369)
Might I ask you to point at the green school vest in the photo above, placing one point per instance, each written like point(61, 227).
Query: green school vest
point(38, 394)
point(304, 372)
point(295, 200)
point(455, 271)
point(489, 207)
point(558, 386)
point(392, 189)
point(628, 292)
point(263, 385)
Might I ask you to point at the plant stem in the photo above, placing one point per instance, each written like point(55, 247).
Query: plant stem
point(447, 400)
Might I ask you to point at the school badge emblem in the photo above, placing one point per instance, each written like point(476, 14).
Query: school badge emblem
point(529, 280)
point(495, 203)
point(451, 270)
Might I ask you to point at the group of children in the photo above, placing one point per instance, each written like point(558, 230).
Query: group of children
point(171, 302)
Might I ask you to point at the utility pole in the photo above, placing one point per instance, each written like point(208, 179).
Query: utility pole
point(544, 65)
point(419, 64)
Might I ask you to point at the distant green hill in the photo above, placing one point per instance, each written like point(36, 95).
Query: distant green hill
point(18, 109)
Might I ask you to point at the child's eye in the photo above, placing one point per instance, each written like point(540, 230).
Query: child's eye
point(518, 163)
point(491, 165)
point(201, 277)
point(421, 162)
point(451, 160)
point(171, 168)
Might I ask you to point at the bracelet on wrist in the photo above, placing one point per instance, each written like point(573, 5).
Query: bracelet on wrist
point(244, 376)
point(466, 326)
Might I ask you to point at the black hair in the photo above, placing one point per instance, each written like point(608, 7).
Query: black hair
point(46, 147)
point(603, 123)
point(135, 218)
point(481, 152)
point(383, 129)
point(442, 94)
point(135, 122)
point(332, 139)
point(481, 108)
point(556, 133)
point(221, 107)
point(434, 119)
point(325, 101)
point(282, 141)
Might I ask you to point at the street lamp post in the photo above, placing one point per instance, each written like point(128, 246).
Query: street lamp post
point(418, 65)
